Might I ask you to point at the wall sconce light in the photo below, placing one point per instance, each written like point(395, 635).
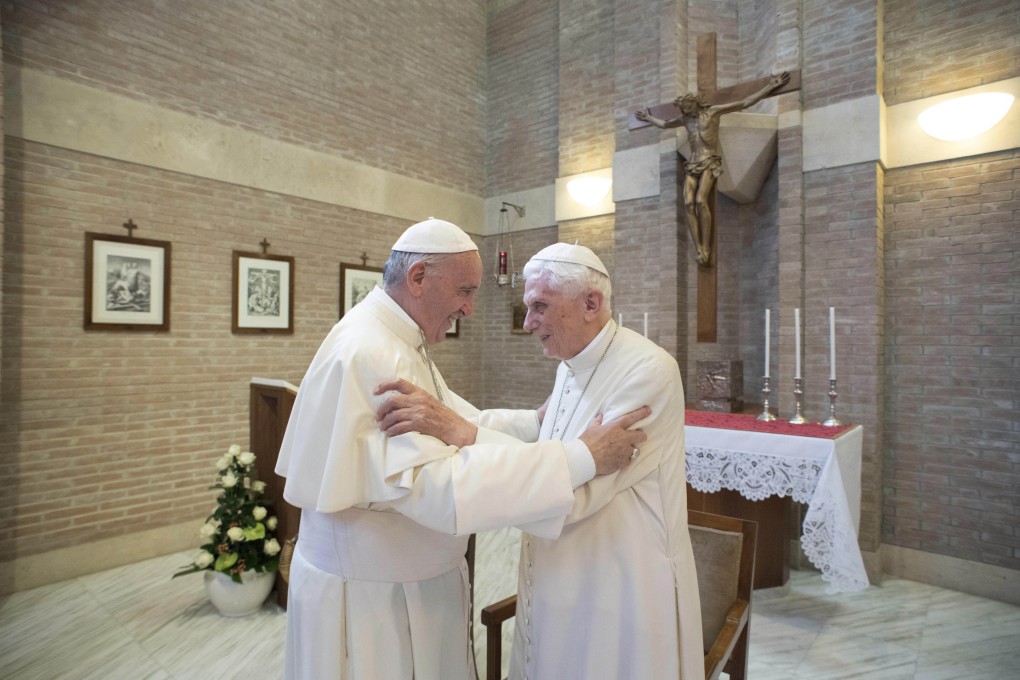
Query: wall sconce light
point(586, 194)
point(589, 190)
point(505, 272)
point(965, 117)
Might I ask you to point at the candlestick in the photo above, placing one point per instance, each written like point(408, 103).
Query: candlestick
point(832, 420)
point(646, 324)
point(765, 414)
point(796, 342)
point(768, 329)
point(832, 343)
point(798, 392)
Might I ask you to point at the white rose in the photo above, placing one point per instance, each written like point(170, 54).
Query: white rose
point(271, 547)
point(207, 530)
point(271, 523)
point(234, 450)
point(223, 463)
point(258, 512)
point(229, 480)
point(203, 559)
point(246, 458)
point(235, 533)
point(258, 487)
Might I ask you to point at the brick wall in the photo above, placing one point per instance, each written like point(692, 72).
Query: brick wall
point(950, 440)
point(841, 60)
point(101, 428)
point(523, 97)
point(758, 277)
point(953, 300)
point(395, 84)
point(844, 269)
point(937, 46)
point(586, 77)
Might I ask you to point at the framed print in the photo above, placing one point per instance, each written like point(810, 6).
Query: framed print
point(454, 330)
point(127, 283)
point(263, 296)
point(519, 312)
point(356, 282)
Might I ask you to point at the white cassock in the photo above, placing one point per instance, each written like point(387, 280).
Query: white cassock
point(378, 581)
point(616, 595)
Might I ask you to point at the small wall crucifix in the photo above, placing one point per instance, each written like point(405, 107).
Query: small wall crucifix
point(265, 245)
point(699, 115)
point(130, 226)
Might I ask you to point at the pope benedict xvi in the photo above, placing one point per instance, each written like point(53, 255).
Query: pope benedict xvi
point(616, 594)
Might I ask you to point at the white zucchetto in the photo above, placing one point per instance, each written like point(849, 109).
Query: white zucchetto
point(564, 252)
point(434, 236)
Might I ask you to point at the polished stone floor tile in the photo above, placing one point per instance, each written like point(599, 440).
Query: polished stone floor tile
point(135, 623)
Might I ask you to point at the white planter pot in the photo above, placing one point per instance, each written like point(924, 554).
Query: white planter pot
point(238, 599)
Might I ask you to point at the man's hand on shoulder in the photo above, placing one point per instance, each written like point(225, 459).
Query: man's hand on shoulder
point(413, 409)
point(612, 444)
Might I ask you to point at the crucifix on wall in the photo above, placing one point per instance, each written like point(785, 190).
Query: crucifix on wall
point(699, 115)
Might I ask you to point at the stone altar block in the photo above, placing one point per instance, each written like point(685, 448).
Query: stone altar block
point(720, 386)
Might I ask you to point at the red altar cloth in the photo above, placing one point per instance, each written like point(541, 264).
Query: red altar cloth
point(740, 421)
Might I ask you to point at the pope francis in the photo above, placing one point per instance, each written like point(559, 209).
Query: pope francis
point(616, 594)
point(378, 581)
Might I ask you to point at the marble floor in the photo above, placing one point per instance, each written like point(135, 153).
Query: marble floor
point(134, 623)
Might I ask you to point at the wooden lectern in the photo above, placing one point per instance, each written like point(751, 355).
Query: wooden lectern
point(271, 402)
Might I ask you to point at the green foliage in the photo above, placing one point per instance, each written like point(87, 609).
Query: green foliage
point(240, 530)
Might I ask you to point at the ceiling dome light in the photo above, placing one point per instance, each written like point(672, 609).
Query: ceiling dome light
point(589, 190)
point(965, 117)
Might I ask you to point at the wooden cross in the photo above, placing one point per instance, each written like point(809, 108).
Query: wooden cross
point(364, 259)
point(130, 226)
point(707, 330)
point(265, 245)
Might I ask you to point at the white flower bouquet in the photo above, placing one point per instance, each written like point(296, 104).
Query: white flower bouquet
point(240, 530)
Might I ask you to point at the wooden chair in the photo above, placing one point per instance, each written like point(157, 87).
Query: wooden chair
point(724, 550)
point(724, 559)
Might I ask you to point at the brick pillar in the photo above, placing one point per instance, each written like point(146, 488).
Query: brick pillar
point(841, 241)
point(649, 247)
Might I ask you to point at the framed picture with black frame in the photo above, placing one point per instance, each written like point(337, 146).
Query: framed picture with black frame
point(127, 283)
point(356, 282)
point(263, 293)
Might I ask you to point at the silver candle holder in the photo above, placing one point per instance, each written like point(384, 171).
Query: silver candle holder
point(832, 420)
point(798, 392)
point(765, 414)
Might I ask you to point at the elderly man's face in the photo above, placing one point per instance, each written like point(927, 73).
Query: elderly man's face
point(449, 293)
point(557, 320)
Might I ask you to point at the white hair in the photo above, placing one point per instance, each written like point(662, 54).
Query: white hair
point(574, 280)
point(399, 262)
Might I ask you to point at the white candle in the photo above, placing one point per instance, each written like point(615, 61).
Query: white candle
point(767, 329)
point(619, 320)
point(832, 343)
point(646, 324)
point(796, 341)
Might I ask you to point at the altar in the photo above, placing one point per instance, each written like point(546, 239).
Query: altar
point(812, 464)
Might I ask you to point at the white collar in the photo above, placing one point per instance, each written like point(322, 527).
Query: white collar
point(589, 356)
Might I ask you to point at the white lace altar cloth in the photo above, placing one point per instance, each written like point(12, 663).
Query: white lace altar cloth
point(823, 473)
